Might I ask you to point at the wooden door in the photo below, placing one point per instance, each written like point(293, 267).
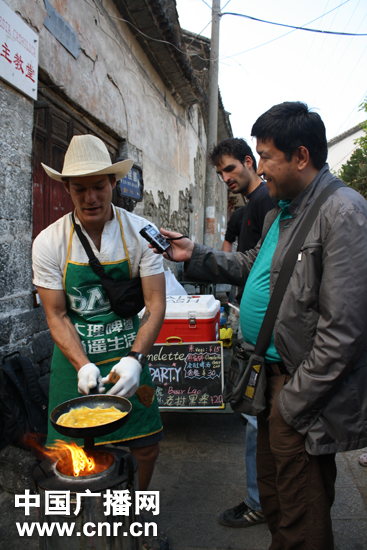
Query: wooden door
point(54, 126)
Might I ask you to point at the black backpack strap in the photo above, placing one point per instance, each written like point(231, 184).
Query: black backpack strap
point(32, 390)
point(14, 390)
point(35, 391)
point(13, 421)
point(263, 339)
point(93, 260)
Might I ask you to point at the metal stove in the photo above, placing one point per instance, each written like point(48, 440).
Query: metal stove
point(118, 472)
point(119, 475)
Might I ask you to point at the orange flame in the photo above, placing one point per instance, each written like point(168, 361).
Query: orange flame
point(71, 460)
point(80, 461)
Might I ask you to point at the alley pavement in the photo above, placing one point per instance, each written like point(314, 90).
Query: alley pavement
point(200, 472)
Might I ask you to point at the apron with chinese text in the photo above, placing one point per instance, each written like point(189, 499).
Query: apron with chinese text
point(106, 338)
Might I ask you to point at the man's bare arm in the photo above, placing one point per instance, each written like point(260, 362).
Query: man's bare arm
point(61, 328)
point(227, 246)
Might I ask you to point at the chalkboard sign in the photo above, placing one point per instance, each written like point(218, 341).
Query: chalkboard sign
point(187, 375)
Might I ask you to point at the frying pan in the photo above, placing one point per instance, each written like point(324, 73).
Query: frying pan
point(91, 401)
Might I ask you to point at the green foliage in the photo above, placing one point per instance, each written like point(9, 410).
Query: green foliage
point(354, 171)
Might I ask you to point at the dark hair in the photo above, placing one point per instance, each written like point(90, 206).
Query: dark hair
point(290, 125)
point(234, 147)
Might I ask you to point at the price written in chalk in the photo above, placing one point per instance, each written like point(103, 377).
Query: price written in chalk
point(187, 375)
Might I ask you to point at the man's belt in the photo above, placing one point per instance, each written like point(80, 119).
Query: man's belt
point(275, 369)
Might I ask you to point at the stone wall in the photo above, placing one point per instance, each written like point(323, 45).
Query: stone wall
point(22, 327)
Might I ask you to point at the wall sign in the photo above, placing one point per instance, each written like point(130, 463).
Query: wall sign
point(18, 52)
point(131, 185)
point(187, 376)
point(61, 30)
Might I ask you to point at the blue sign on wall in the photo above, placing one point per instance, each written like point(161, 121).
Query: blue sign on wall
point(131, 185)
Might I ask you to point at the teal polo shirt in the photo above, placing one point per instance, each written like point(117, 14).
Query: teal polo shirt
point(256, 296)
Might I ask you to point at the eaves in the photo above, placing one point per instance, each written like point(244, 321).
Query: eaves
point(158, 20)
point(345, 135)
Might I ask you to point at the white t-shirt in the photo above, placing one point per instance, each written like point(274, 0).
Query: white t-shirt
point(50, 248)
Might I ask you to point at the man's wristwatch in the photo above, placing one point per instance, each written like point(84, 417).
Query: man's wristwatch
point(139, 356)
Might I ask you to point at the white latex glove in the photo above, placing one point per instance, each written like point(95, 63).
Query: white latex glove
point(129, 370)
point(89, 377)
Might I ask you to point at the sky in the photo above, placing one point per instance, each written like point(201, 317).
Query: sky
point(262, 64)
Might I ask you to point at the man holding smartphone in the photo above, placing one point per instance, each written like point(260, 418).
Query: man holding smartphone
point(91, 340)
point(316, 363)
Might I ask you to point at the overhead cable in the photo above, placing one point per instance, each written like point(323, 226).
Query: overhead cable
point(292, 26)
point(285, 34)
point(239, 15)
point(159, 40)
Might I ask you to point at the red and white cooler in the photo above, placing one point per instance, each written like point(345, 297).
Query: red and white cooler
point(191, 318)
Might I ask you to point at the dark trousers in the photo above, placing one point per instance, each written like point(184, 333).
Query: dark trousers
point(296, 489)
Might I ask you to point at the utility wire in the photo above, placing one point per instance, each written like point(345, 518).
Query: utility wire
point(321, 48)
point(211, 6)
point(326, 64)
point(314, 36)
point(292, 26)
point(240, 15)
point(289, 32)
point(323, 71)
point(197, 36)
point(207, 5)
point(225, 5)
point(161, 41)
point(350, 41)
point(353, 110)
point(350, 75)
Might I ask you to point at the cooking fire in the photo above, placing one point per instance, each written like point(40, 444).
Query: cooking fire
point(73, 461)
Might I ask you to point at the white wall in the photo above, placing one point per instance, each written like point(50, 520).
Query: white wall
point(341, 151)
point(113, 80)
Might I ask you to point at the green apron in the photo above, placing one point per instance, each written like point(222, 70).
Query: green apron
point(106, 338)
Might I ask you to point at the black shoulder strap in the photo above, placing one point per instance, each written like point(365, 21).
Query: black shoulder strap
point(286, 270)
point(32, 389)
point(33, 386)
point(93, 260)
point(83, 239)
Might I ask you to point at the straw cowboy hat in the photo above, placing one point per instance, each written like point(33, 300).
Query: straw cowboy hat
point(87, 155)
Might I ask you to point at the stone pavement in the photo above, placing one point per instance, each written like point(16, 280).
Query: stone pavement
point(199, 473)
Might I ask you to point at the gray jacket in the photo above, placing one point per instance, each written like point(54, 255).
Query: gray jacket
point(321, 328)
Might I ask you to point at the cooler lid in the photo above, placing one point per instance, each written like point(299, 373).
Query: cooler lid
point(203, 306)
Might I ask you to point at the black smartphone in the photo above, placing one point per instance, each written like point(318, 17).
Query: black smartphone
point(155, 238)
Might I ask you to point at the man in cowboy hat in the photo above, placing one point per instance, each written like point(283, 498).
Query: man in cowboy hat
point(90, 338)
